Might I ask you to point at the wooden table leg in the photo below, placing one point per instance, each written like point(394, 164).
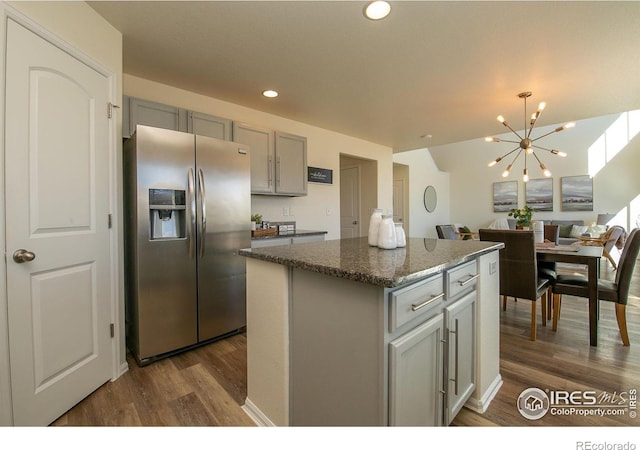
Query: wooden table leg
point(593, 302)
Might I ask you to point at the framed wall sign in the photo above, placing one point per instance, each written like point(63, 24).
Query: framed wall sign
point(577, 193)
point(505, 196)
point(539, 194)
point(318, 175)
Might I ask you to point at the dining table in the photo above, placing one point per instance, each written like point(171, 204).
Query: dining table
point(580, 254)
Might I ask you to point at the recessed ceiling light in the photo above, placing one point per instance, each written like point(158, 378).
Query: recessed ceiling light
point(377, 10)
point(270, 93)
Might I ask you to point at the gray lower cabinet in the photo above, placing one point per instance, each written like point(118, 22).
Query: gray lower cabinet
point(415, 375)
point(432, 366)
point(460, 319)
point(278, 160)
point(259, 243)
point(387, 356)
point(310, 238)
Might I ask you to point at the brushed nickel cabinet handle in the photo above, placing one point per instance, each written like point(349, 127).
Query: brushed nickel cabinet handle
point(415, 307)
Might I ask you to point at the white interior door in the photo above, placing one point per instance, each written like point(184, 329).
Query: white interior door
point(349, 202)
point(57, 206)
point(398, 201)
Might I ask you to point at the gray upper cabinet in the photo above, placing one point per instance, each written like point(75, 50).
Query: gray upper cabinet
point(278, 160)
point(291, 164)
point(207, 125)
point(145, 112)
point(260, 142)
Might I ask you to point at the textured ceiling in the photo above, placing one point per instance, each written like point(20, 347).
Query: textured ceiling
point(444, 69)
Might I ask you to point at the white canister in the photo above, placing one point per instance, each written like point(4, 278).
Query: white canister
point(538, 231)
point(401, 238)
point(387, 233)
point(374, 225)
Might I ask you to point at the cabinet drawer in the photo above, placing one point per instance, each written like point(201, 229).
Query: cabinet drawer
point(420, 300)
point(461, 279)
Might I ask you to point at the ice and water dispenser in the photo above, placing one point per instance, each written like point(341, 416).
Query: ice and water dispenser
point(167, 214)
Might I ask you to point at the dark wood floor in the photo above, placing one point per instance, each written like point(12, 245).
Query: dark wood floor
point(206, 386)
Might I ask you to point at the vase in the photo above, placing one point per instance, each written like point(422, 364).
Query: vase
point(387, 233)
point(401, 238)
point(374, 225)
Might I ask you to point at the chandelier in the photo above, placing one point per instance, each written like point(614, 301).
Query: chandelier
point(526, 143)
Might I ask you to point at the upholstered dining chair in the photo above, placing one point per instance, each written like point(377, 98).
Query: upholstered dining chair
point(616, 291)
point(548, 269)
point(519, 270)
point(446, 232)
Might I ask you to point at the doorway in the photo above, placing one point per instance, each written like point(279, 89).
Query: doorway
point(401, 193)
point(358, 194)
point(60, 288)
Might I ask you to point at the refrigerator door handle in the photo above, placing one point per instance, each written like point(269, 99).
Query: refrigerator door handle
point(203, 210)
point(191, 230)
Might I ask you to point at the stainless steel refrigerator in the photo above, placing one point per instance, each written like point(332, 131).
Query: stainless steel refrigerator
point(187, 212)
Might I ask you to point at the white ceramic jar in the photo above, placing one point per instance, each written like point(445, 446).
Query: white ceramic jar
point(401, 238)
point(387, 233)
point(374, 225)
point(538, 231)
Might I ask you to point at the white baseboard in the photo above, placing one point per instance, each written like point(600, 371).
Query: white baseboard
point(480, 406)
point(256, 415)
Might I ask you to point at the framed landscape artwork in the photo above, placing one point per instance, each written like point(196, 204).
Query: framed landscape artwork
point(577, 193)
point(505, 196)
point(539, 194)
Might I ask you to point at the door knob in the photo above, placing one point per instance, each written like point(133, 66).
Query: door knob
point(355, 222)
point(21, 256)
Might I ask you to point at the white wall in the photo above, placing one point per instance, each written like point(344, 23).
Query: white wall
point(422, 173)
point(615, 188)
point(323, 150)
point(80, 26)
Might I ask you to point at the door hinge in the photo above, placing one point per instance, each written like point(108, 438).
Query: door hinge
point(109, 221)
point(112, 329)
point(110, 107)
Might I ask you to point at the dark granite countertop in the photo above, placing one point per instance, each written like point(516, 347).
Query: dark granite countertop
point(355, 260)
point(296, 233)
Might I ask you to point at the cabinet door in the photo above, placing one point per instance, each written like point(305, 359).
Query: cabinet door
point(260, 243)
point(206, 125)
point(260, 142)
point(312, 238)
point(460, 318)
point(291, 164)
point(144, 112)
point(415, 376)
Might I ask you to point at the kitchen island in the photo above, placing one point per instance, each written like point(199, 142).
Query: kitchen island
point(341, 333)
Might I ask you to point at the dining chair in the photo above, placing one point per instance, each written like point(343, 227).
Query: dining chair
point(548, 269)
point(446, 232)
point(616, 291)
point(610, 239)
point(519, 270)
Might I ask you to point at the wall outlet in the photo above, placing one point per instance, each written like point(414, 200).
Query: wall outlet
point(285, 211)
point(329, 211)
